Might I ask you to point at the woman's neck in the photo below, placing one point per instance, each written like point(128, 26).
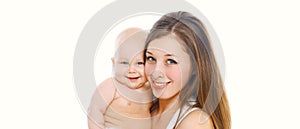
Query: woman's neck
point(168, 104)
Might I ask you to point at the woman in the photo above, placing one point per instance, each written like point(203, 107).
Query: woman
point(184, 76)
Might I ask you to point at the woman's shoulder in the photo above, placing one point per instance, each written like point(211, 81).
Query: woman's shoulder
point(195, 119)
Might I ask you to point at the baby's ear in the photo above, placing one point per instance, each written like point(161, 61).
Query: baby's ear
point(112, 60)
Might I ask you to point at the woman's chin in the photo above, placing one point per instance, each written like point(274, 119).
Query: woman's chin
point(158, 93)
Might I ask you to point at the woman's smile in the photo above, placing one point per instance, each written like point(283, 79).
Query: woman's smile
point(167, 66)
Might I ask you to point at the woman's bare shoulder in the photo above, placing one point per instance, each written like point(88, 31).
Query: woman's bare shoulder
point(197, 119)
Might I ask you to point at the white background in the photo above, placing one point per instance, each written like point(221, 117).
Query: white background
point(260, 39)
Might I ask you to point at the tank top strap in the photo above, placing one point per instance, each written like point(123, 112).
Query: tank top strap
point(186, 110)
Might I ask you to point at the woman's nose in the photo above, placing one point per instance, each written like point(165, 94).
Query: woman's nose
point(158, 72)
point(157, 75)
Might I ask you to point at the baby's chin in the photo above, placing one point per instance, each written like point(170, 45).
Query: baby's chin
point(135, 85)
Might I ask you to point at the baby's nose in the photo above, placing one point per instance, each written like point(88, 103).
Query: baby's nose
point(131, 68)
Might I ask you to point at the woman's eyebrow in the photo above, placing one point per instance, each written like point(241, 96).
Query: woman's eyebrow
point(149, 53)
point(169, 55)
point(172, 55)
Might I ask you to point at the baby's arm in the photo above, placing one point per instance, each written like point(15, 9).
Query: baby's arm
point(102, 96)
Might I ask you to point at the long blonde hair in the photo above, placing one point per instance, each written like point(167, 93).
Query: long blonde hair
point(205, 83)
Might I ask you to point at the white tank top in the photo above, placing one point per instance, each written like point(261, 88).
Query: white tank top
point(186, 110)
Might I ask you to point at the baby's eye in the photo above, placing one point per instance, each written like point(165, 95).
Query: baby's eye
point(140, 63)
point(171, 61)
point(150, 59)
point(124, 62)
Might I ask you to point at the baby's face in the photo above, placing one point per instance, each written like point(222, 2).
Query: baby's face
point(129, 69)
point(129, 63)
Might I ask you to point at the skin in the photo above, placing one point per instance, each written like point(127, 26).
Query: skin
point(131, 74)
point(167, 68)
point(130, 79)
point(125, 35)
point(114, 110)
point(123, 101)
point(128, 63)
point(194, 121)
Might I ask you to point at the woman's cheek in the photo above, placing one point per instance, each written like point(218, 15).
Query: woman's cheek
point(148, 70)
point(174, 74)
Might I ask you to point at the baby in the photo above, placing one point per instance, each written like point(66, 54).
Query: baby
point(123, 101)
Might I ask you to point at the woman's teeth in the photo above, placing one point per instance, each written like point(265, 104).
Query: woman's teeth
point(160, 84)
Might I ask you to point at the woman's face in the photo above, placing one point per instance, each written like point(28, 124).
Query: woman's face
point(167, 67)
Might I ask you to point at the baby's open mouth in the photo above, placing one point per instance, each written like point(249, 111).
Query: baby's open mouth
point(133, 79)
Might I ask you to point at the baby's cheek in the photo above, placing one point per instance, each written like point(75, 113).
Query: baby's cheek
point(141, 70)
point(121, 69)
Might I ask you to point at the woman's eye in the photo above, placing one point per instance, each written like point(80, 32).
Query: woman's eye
point(171, 61)
point(150, 59)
